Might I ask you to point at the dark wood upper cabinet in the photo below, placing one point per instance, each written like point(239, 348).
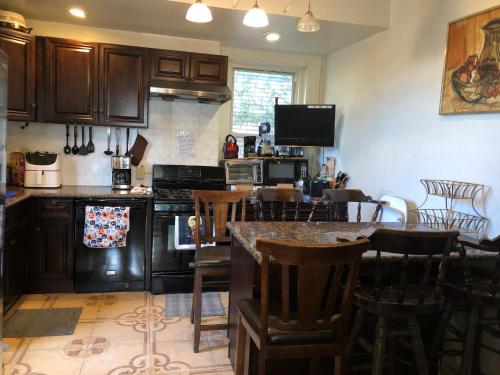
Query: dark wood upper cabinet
point(208, 69)
point(123, 76)
point(169, 65)
point(20, 48)
point(70, 76)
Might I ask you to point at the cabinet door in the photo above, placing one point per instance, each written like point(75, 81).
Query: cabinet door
point(69, 92)
point(122, 80)
point(15, 264)
point(169, 65)
point(20, 48)
point(208, 68)
point(52, 256)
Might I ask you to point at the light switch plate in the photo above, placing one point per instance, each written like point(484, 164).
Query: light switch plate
point(141, 171)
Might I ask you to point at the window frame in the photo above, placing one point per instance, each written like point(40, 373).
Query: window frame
point(295, 73)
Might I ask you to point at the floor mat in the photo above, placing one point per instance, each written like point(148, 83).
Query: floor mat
point(179, 305)
point(42, 322)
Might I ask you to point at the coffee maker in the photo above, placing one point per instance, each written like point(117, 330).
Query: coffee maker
point(121, 172)
point(249, 146)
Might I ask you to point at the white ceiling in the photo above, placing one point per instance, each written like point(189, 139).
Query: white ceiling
point(168, 18)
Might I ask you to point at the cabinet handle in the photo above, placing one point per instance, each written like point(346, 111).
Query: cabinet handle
point(101, 110)
point(12, 242)
point(33, 105)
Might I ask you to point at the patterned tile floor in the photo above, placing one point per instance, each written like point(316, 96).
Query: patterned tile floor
point(118, 333)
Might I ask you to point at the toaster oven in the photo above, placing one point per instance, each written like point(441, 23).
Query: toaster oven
point(244, 171)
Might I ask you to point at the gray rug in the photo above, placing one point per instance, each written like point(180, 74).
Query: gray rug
point(179, 305)
point(42, 322)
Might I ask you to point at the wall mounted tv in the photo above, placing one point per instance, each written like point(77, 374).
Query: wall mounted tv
point(304, 125)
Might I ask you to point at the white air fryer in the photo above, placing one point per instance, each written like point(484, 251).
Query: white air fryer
point(42, 170)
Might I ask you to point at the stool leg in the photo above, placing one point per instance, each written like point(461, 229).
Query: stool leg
point(193, 303)
point(470, 338)
point(418, 347)
point(379, 346)
point(438, 339)
point(262, 361)
point(476, 362)
point(240, 348)
point(353, 337)
point(340, 365)
point(198, 278)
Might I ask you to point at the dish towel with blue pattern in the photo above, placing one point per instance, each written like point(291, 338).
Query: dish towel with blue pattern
point(106, 227)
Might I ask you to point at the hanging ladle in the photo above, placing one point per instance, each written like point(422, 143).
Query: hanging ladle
point(67, 149)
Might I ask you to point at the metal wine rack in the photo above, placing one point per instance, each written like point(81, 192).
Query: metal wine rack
point(447, 218)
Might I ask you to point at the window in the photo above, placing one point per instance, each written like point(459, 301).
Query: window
point(254, 94)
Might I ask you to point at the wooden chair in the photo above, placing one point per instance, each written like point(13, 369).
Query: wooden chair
point(475, 290)
point(212, 260)
point(318, 326)
point(337, 201)
point(396, 299)
point(272, 200)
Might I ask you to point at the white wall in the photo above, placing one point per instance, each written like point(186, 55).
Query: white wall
point(387, 89)
point(208, 123)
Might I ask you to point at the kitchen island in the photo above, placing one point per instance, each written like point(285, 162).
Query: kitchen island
point(246, 260)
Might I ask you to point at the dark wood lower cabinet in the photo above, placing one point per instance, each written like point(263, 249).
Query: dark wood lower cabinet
point(52, 246)
point(15, 264)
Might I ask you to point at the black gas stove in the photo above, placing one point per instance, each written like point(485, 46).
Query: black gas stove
point(173, 240)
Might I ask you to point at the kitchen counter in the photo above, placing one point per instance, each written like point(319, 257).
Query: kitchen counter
point(70, 191)
point(319, 232)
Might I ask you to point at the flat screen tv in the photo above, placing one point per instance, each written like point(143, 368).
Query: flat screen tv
point(304, 125)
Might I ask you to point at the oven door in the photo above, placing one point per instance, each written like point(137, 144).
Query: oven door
point(173, 251)
point(280, 172)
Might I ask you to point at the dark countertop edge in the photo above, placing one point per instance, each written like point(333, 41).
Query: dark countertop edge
point(28, 193)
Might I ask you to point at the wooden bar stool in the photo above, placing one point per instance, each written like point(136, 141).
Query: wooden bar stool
point(212, 260)
point(318, 325)
point(397, 300)
point(277, 202)
point(337, 201)
point(474, 291)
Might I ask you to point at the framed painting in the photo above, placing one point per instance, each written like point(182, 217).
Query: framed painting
point(471, 77)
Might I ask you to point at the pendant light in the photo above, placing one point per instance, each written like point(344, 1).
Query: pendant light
point(256, 17)
point(308, 24)
point(199, 13)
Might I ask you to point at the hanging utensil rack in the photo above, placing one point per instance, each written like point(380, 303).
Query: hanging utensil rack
point(447, 218)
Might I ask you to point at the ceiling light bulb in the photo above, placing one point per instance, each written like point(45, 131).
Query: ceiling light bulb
point(273, 36)
point(77, 12)
point(256, 17)
point(308, 23)
point(199, 13)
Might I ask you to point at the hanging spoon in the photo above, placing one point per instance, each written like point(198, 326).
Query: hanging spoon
point(90, 145)
point(74, 150)
point(67, 149)
point(83, 148)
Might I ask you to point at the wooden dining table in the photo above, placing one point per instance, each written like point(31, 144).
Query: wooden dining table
point(246, 260)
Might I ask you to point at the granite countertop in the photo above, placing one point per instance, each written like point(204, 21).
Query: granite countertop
point(70, 191)
point(318, 232)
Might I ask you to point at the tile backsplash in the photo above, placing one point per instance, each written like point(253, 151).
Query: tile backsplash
point(180, 132)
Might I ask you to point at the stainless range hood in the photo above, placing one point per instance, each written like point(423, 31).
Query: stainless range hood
point(171, 90)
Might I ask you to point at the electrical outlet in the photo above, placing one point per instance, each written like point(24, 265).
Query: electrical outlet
point(141, 171)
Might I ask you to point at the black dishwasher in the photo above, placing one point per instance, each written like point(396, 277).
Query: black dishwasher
point(111, 269)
